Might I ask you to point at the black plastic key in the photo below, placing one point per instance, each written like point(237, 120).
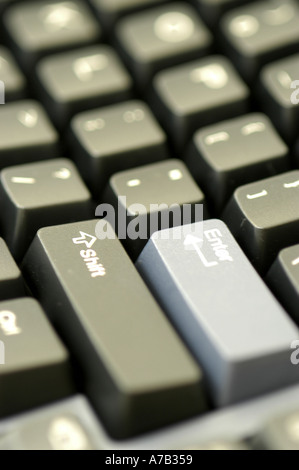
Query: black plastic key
point(109, 11)
point(236, 152)
point(264, 217)
point(69, 424)
point(37, 195)
point(26, 134)
point(212, 10)
point(11, 281)
point(36, 364)
point(12, 77)
point(261, 32)
point(152, 198)
point(161, 37)
point(283, 278)
point(136, 371)
point(39, 28)
point(280, 433)
point(115, 138)
point(280, 95)
point(74, 81)
point(199, 93)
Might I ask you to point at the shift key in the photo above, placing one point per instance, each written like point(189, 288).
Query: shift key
point(137, 372)
point(227, 316)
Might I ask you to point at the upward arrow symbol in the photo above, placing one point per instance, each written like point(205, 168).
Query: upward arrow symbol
point(85, 238)
point(194, 242)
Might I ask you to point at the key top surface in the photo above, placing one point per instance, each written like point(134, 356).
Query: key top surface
point(38, 28)
point(161, 37)
point(137, 372)
point(74, 81)
point(280, 433)
point(235, 152)
point(261, 32)
point(26, 134)
point(227, 316)
point(280, 96)
point(38, 195)
point(156, 194)
point(115, 138)
point(264, 217)
point(36, 362)
point(196, 94)
point(69, 424)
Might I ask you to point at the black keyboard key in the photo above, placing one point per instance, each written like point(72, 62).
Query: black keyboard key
point(11, 280)
point(280, 95)
point(137, 372)
point(69, 424)
point(113, 139)
point(162, 189)
point(283, 279)
point(212, 10)
point(160, 38)
point(260, 33)
point(12, 77)
point(26, 134)
point(39, 28)
point(280, 433)
point(74, 81)
point(264, 217)
point(199, 93)
point(37, 195)
point(36, 362)
point(236, 152)
point(109, 11)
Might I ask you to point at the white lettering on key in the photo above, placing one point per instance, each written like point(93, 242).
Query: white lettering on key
point(8, 323)
point(214, 236)
point(295, 184)
point(253, 128)
point(23, 180)
point(85, 238)
point(295, 262)
point(218, 137)
point(192, 241)
point(90, 257)
point(257, 195)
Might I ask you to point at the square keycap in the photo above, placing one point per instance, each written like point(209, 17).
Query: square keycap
point(235, 152)
point(196, 94)
point(115, 138)
point(161, 37)
point(39, 28)
point(261, 32)
point(280, 95)
point(37, 195)
point(74, 81)
point(26, 134)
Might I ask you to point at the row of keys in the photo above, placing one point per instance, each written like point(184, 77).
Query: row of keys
point(70, 424)
point(216, 295)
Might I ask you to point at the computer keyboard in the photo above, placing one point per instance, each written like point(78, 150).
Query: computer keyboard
point(177, 123)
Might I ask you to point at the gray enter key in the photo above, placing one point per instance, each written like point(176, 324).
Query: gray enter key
point(230, 320)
